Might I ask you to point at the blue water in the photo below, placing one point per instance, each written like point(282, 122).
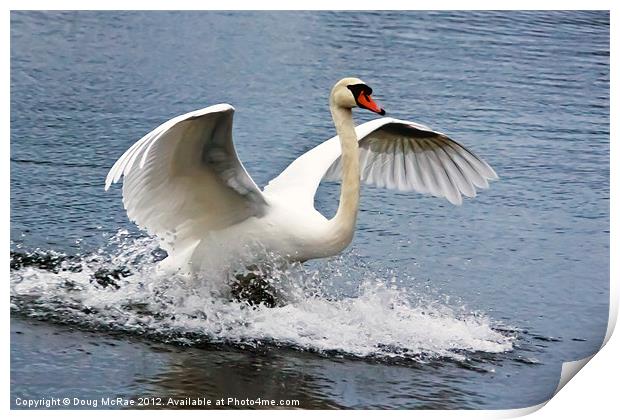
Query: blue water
point(527, 259)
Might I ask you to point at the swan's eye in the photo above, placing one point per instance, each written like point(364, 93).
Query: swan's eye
point(359, 89)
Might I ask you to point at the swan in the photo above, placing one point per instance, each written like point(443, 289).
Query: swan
point(184, 184)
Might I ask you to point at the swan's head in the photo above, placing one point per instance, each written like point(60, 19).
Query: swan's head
point(351, 92)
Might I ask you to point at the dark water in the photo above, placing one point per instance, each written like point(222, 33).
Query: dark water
point(433, 306)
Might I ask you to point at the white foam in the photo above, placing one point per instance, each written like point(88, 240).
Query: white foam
point(377, 316)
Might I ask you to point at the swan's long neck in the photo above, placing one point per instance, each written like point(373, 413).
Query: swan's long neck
point(343, 223)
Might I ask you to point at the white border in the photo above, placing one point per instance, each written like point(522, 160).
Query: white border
point(593, 393)
point(312, 5)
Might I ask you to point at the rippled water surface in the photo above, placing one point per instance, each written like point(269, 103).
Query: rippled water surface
point(433, 306)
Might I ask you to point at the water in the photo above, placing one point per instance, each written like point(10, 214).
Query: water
point(433, 306)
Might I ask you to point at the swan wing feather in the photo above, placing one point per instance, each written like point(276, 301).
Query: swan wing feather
point(394, 154)
point(185, 176)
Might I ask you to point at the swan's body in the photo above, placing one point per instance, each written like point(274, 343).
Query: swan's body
point(184, 183)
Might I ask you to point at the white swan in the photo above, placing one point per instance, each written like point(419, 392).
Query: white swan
point(185, 184)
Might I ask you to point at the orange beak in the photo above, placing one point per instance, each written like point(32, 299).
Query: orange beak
point(365, 101)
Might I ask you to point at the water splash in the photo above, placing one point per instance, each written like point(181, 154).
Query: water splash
point(325, 308)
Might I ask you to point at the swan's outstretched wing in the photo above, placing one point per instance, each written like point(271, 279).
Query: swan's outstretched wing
point(395, 154)
point(185, 177)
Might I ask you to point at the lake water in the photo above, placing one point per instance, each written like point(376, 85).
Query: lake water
point(433, 306)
